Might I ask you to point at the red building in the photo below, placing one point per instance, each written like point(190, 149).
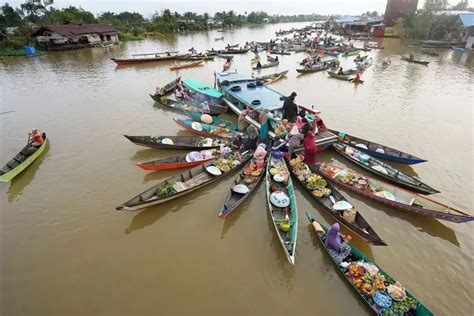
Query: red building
point(397, 8)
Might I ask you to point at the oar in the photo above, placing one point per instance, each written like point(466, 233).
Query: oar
point(29, 134)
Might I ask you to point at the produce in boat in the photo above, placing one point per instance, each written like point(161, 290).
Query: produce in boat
point(370, 282)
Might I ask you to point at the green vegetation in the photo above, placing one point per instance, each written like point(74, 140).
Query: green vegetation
point(427, 23)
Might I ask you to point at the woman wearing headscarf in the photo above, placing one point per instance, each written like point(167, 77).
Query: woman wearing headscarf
point(294, 141)
point(336, 244)
point(310, 148)
point(252, 140)
point(264, 125)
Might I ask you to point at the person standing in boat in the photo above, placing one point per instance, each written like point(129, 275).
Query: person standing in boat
point(264, 125)
point(290, 109)
point(237, 142)
point(310, 148)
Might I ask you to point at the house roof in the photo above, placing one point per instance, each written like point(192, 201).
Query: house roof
point(467, 19)
point(72, 29)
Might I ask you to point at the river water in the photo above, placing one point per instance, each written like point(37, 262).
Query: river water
point(65, 250)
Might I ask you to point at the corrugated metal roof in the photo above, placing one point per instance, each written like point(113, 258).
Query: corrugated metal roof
point(78, 29)
point(467, 19)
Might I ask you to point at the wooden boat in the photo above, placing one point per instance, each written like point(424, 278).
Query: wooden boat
point(22, 160)
point(174, 162)
point(229, 51)
point(379, 150)
point(421, 62)
point(219, 38)
point(225, 56)
point(360, 58)
point(179, 185)
point(273, 75)
point(202, 93)
point(366, 63)
point(351, 53)
point(357, 225)
point(177, 142)
point(358, 256)
point(274, 52)
point(429, 52)
point(334, 75)
point(196, 116)
point(271, 58)
point(146, 58)
point(280, 215)
point(391, 195)
point(382, 169)
point(234, 199)
point(196, 57)
point(168, 88)
point(267, 65)
point(188, 65)
point(232, 46)
point(312, 69)
point(174, 104)
point(204, 129)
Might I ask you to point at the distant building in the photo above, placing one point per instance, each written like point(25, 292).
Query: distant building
point(396, 9)
point(73, 35)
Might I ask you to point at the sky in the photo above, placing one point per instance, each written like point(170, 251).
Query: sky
point(286, 7)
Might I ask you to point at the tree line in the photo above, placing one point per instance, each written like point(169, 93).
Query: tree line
point(429, 22)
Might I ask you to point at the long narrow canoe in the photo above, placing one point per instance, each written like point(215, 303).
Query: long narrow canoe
point(188, 65)
point(179, 185)
point(168, 88)
point(311, 69)
point(359, 227)
point(382, 169)
point(351, 53)
point(196, 116)
point(196, 57)
point(177, 142)
point(267, 65)
point(201, 93)
point(421, 62)
point(174, 162)
point(358, 256)
point(234, 199)
point(146, 58)
point(394, 196)
point(278, 214)
point(21, 161)
point(204, 129)
point(273, 75)
point(274, 52)
point(379, 150)
point(189, 105)
point(334, 75)
point(225, 56)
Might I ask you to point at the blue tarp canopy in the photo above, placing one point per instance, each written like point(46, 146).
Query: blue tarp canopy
point(467, 19)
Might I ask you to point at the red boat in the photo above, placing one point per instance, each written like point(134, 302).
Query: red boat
point(188, 65)
point(169, 163)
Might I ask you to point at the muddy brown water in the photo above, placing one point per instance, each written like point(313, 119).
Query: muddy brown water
point(65, 250)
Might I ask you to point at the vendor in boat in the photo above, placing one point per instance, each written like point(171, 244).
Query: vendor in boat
point(282, 129)
point(276, 58)
point(294, 141)
point(180, 93)
point(204, 107)
point(336, 244)
point(259, 155)
point(309, 145)
point(411, 57)
point(357, 77)
point(318, 125)
point(318, 59)
point(242, 123)
point(264, 125)
point(340, 71)
point(290, 109)
point(279, 144)
point(237, 142)
point(252, 140)
point(37, 138)
point(259, 65)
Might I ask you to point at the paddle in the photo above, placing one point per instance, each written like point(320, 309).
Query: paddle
point(29, 134)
